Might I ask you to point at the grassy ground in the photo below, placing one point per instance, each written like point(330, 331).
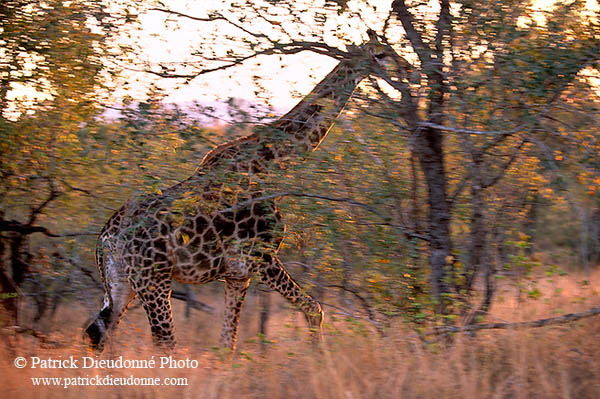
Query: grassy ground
point(553, 362)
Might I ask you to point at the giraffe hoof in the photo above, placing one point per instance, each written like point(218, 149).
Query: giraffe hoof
point(315, 318)
point(96, 335)
point(165, 347)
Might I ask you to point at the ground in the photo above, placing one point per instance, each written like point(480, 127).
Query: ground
point(553, 362)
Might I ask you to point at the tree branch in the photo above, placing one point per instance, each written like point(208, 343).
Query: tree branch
point(459, 189)
point(344, 312)
point(25, 229)
point(211, 18)
point(518, 325)
point(415, 38)
point(443, 26)
point(35, 212)
point(470, 131)
point(505, 166)
point(88, 192)
point(362, 299)
point(277, 48)
point(182, 296)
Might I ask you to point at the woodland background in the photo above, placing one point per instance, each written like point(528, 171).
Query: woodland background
point(465, 190)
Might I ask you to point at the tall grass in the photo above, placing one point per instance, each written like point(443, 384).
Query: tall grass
point(554, 362)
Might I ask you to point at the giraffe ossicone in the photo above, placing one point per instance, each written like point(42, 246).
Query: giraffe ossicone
point(193, 232)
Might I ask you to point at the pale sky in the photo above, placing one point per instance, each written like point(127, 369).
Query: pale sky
point(284, 80)
point(282, 86)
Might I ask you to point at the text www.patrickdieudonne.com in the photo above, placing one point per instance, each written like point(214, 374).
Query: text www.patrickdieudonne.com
point(108, 380)
point(86, 362)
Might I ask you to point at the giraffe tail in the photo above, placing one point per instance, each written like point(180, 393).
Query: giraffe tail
point(100, 259)
point(95, 332)
point(96, 327)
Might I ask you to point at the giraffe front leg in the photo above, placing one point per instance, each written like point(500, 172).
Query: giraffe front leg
point(235, 294)
point(277, 278)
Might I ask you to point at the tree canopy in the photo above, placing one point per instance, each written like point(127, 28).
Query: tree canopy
point(432, 180)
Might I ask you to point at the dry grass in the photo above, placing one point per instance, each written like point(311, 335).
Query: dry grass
point(561, 361)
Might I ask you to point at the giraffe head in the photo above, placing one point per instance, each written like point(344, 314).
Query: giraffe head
point(380, 57)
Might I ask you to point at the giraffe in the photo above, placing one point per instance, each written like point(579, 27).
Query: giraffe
point(193, 233)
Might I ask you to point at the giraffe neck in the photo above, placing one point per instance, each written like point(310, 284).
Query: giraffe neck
point(306, 125)
point(299, 131)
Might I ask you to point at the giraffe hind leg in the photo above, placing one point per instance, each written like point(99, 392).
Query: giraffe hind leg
point(156, 299)
point(235, 293)
point(277, 278)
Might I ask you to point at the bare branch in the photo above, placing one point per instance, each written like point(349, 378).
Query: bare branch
point(35, 212)
point(459, 189)
point(519, 325)
point(505, 166)
point(415, 38)
point(87, 192)
point(443, 26)
point(271, 22)
point(190, 76)
point(182, 296)
point(212, 18)
point(354, 292)
point(26, 229)
point(386, 25)
point(394, 122)
point(470, 131)
point(277, 48)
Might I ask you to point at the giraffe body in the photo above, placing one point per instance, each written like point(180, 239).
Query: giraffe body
point(196, 231)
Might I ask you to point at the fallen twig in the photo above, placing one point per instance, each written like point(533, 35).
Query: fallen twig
point(182, 296)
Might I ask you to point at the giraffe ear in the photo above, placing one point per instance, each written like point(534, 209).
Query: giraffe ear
point(372, 36)
point(352, 48)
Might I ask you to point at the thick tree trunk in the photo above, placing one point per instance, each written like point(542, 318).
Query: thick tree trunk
point(429, 146)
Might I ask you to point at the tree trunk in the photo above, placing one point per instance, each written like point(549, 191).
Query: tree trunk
point(264, 303)
point(429, 144)
point(19, 266)
point(189, 299)
point(478, 235)
point(595, 233)
point(530, 223)
point(9, 294)
point(416, 217)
